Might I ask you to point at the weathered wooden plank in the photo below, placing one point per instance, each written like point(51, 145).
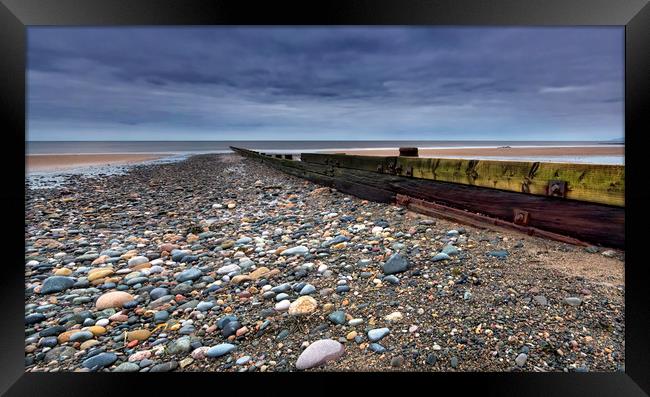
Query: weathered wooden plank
point(294, 168)
point(604, 184)
point(477, 220)
point(596, 223)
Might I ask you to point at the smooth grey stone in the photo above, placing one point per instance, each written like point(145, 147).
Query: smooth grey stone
point(395, 264)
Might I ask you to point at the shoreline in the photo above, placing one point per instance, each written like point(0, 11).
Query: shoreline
point(62, 162)
point(605, 154)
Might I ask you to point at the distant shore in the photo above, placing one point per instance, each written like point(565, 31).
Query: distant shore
point(58, 162)
point(499, 151)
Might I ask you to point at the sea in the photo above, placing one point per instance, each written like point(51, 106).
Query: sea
point(183, 148)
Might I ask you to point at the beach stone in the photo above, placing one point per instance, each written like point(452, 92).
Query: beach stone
point(318, 353)
point(307, 289)
point(450, 250)
point(440, 257)
point(100, 360)
point(521, 359)
point(88, 344)
point(137, 260)
point(355, 322)
point(63, 272)
point(189, 274)
point(299, 250)
point(158, 293)
point(34, 318)
point(81, 336)
point(225, 320)
point(86, 257)
point(541, 300)
point(336, 240)
point(395, 264)
point(220, 350)
point(139, 356)
point(113, 299)
point(573, 301)
point(164, 367)
point(397, 361)
point(60, 353)
point(140, 335)
point(391, 279)
point(204, 306)
point(180, 346)
point(228, 269)
point(56, 284)
point(243, 360)
point(52, 331)
point(394, 317)
point(283, 305)
point(337, 317)
point(230, 328)
point(127, 367)
point(378, 333)
point(302, 306)
point(377, 348)
point(281, 297)
point(498, 254)
point(161, 316)
point(49, 341)
point(200, 352)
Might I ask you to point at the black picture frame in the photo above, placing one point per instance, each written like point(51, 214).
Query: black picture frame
point(17, 15)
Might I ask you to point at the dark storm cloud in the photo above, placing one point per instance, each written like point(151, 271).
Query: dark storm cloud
point(325, 83)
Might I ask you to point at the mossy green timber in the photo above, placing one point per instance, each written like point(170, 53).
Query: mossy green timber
point(596, 183)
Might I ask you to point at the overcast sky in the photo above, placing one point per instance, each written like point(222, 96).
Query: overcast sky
point(216, 83)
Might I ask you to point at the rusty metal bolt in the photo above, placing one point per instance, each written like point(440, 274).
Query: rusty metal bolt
point(555, 189)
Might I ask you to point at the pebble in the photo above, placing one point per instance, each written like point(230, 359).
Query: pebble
point(573, 301)
point(395, 264)
point(164, 367)
point(377, 348)
point(100, 360)
point(300, 250)
point(307, 289)
point(303, 306)
point(521, 359)
point(319, 353)
point(337, 317)
point(56, 284)
point(220, 350)
point(283, 305)
point(377, 334)
point(394, 317)
point(189, 274)
point(127, 367)
point(440, 257)
point(113, 299)
point(498, 253)
point(179, 346)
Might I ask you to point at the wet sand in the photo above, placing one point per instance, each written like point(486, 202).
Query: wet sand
point(57, 162)
point(499, 152)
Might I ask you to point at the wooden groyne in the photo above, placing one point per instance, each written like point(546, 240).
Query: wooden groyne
point(575, 203)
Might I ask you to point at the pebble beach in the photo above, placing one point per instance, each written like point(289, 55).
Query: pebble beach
point(218, 263)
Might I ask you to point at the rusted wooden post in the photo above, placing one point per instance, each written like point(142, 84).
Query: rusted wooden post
point(408, 151)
